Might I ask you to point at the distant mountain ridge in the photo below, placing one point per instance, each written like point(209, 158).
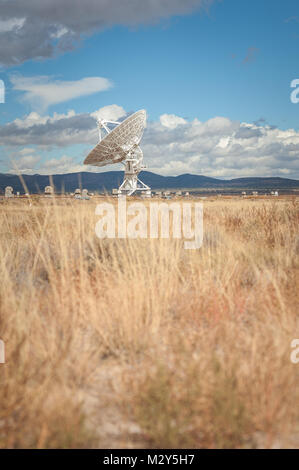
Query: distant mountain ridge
point(112, 179)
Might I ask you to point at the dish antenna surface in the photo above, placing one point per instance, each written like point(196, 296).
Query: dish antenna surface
point(121, 145)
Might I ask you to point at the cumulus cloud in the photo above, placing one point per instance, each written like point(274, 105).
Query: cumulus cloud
point(26, 151)
point(171, 121)
point(41, 92)
point(112, 112)
point(171, 145)
point(34, 118)
point(23, 160)
point(58, 130)
point(247, 132)
point(32, 164)
point(12, 24)
point(48, 132)
point(221, 148)
point(28, 162)
point(33, 29)
point(64, 164)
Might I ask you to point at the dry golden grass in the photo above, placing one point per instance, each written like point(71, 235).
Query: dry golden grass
point(133, 343)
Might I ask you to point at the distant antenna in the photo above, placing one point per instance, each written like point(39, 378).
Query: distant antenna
point(9, 191)
point(121, 145)
point(85, 194)
point(49, 191)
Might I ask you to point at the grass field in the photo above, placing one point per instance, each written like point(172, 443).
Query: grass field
point(141, 343)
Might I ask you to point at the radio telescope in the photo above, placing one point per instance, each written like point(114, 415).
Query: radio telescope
point(9, 191)
point(49, 191)
point(121, 145)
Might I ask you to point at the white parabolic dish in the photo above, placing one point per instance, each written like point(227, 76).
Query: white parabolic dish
point(121, 145)
point(116, 145)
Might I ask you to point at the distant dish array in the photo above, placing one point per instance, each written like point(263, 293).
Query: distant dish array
point(78, 194)
point(121, 145)
point(85, 194)
point(49, 192)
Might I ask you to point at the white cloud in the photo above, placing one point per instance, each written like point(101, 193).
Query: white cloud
point(59, 32)
point(57, 130)
point(26, 163)
point(11, 24)
point(35, 119)
point(64, 164)
point(26, 151)
point(36, 29)
point(41, 92)
point(32, 164)
point(171, 120)
point(217, 147)
point(222, 148)
point(112, 112)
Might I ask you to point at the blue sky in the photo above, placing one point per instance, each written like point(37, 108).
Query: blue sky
point(222, 68)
